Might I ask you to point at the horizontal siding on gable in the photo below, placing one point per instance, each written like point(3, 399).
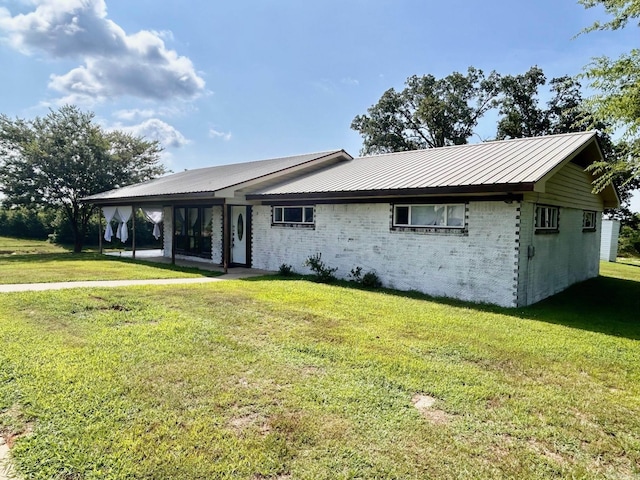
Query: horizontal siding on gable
point(570, 187)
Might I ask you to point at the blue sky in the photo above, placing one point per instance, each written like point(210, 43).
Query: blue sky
point(223, 82)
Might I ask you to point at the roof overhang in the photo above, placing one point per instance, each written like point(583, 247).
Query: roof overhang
point(504, 189)
point(585, 155)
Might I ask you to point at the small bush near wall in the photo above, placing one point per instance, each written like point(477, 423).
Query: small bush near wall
point(285, 270)
point(323, 272)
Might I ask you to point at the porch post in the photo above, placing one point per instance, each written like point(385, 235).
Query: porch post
point(133, 231)
point(173, 235)
point(100, 229)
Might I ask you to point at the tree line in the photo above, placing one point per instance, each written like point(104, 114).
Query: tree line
point(55, 161)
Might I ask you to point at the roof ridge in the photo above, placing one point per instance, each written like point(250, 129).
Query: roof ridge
point(467, 145)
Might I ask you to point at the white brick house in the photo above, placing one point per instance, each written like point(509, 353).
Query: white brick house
point(508, 223)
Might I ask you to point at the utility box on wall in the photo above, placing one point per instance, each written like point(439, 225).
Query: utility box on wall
point(609, 240)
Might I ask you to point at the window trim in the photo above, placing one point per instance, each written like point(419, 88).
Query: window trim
point(304, 223)
point(547, 229)
point(425, 227)
point(594, 224)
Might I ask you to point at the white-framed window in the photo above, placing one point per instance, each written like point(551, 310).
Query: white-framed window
point(547, 218)
point(302, 215)
point(588, 221)
point(435, 216)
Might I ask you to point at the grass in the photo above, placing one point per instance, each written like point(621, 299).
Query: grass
point(33, 261)
point(289, 379)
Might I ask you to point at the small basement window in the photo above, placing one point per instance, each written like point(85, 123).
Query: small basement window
point(588, 221)
point(302, 215)
point(438, 216)
point(547, 219)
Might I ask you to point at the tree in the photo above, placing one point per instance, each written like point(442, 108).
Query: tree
point(427, 113)
point(618, 85)
point(57, 160)
point(519, 106)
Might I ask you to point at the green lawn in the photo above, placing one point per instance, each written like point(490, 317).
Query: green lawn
point(289, 379)
point(33, 261)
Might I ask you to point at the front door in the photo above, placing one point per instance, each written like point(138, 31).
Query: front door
point(239, 235)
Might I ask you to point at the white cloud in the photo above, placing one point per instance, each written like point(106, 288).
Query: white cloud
point(350, 81)
point(134, 113)
point(114, 63)
point(226, 136)
point(155, 129)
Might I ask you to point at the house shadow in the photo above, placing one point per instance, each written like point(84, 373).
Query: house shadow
point(602, 305)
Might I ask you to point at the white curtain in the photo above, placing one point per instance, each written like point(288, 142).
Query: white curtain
point(123, 215)
point(108, 213)
point(155, 215)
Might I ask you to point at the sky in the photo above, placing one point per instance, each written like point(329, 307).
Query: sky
point(224, 82)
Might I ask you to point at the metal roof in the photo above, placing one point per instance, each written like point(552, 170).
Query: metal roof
point(479, 167)
point(211, 179)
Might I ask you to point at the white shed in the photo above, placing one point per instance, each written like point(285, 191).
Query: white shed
point(609, 240)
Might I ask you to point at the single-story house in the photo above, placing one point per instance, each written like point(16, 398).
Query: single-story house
point(505, 222)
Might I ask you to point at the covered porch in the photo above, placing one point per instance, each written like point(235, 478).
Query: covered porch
point(158, 256)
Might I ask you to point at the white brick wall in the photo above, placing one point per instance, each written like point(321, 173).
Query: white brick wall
point(167, 231)
point(480, 266)
point(561, 259)
point(216, 234)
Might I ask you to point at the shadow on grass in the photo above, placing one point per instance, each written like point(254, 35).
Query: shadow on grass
point(603, 304)
point(97, 257)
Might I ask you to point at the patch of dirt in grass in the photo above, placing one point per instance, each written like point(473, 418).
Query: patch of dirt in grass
point(282, 476)
point(542, 449)
point(312, 370)
point(424, 404)
point(17, 425)
point(250, 421)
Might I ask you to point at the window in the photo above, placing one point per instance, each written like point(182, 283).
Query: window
point(302, 215)
point(588, 221)
point(546, 219)
point(438, 216)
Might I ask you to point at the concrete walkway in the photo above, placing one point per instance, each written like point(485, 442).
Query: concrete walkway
point(234, 274)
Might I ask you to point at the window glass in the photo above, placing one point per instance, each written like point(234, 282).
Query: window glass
point(207, 222)
point(589, 220)
point(308, 214)
point(303, 214)
point(430, 215)
point(293, 214)
point(402, 216)
point(424, 215)
point(179, 222)
point(546, 218)
point(455, 215)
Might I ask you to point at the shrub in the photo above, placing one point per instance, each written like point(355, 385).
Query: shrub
point(323, 272)
point(356, 274)
point(285, 270)
point(371, 280)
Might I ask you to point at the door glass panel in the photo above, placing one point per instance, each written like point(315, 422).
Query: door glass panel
point(240, 227)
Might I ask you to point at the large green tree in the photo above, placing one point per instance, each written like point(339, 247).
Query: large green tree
point(429, 112)
point(56, 160)
point(617, 86)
